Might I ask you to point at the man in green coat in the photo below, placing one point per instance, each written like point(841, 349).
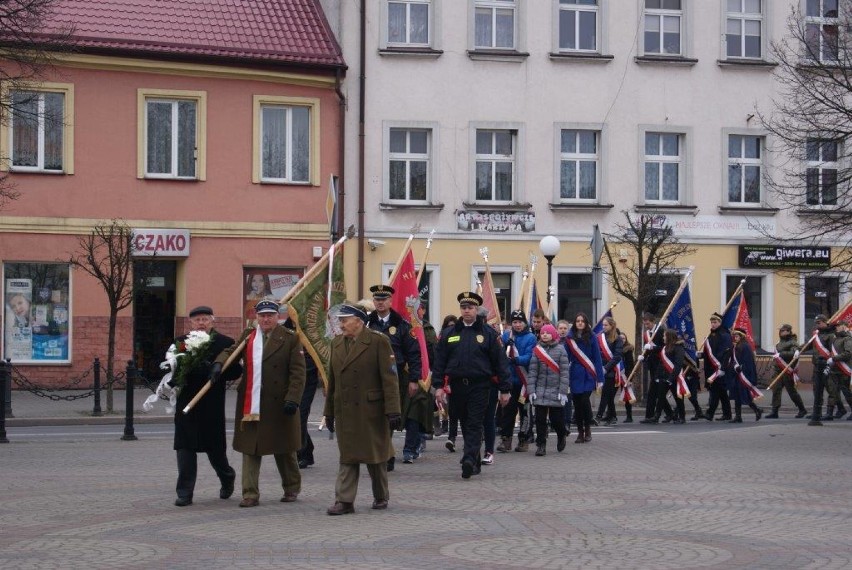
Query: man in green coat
point(363, 405)
point(267, 422)
point(786, 350)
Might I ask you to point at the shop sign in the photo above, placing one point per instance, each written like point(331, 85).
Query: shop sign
point(781, 257)
point(160, 243)
point(496, 221)
point(711, 226)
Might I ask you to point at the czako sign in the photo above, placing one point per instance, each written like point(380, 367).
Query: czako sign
point(160, 243)
point(780, 257)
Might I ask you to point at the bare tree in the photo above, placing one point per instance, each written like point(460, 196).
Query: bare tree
point(107, 255)
point(810, 122)
point(642, 255)
point(29, 44)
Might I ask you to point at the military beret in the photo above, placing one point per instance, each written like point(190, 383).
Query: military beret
point(382, 291)
point(469, 298)
point(201, 310)
point(266, 306)
point(786, 327)
point(820, 318)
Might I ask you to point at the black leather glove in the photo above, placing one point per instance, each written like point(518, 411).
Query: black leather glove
point(216, 372)
point(738, 368)
point(290, 407)
point(329, 423)
point(395, 422)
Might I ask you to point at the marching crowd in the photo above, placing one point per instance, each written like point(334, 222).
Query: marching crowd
point(535, 378)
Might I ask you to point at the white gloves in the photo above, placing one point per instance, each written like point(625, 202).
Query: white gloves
point(650, 346)
point(827, 370)
point(796, 355)
point(563, 398)
point(532, 397)
point(641, 357)
point(829, 362)
point(738, 368)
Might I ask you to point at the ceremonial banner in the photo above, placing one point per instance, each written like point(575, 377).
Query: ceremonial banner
point(680, 319)
point(599, 327)
point(534, 300)
point(406, 301)
point(489, 301)
point(313, 309)
point(737, 317)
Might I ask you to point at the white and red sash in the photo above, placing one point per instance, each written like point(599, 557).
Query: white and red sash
point(582, 358)
point(821, 348)
point(646, 336)
point(254, 367)
point(667, 363)
point(842, 366)
point(627, 394)
point(606, 356)
point(682, 389)
point(714, 362)
point(741, 378)
point(788, 370)
point(620, 375)
point(545, 358)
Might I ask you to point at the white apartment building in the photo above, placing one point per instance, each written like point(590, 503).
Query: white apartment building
point(498, 122)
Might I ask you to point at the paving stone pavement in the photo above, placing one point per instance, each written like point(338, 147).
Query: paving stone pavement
point(772, 494)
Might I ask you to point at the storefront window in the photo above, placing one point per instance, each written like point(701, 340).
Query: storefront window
point(266, 283)
point(574, 295)
point(822, 296)
point(37, 312)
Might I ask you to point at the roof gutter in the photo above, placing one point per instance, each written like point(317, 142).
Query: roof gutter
point(341, 197)
point(362, 89)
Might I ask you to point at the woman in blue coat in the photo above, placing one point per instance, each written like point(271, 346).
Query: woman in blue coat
point(585, 373)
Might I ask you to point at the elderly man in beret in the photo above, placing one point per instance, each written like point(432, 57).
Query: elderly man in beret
point(202, 430)
point(267, 422)
point(363, 405)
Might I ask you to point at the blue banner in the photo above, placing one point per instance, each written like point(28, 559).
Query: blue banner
point(599, 327)
point(680, 319)
point(729, 319)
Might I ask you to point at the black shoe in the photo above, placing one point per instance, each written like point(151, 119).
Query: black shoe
point(648, 421)
point(827, 418)
point(758, 413)
point(451, 445)
point(227, 488)
point(467, 468)
point(840, 413)
point(679, 421)
point(814, 423)
point(560, 444)
point(305, 463)
point(802, 413)
point(666, 420)
point(772, 415)
point(736, 420)
point(708, 416)
point(628, 420)
point(183, 501)
point(391, 462)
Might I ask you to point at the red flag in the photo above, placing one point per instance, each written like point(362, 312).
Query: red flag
point(489, 301)
point(741, 318)
point(843, 315)
point(406, 301)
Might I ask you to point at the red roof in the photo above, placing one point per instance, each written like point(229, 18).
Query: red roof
point(268, 31)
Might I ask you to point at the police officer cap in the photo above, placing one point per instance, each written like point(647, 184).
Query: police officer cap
point(382, 291)
point(740, 331)
point(201, 310)
point(266, 306)
point(716, 317)
point(518, 316)
point(469, 298)
point(786, 327)
point(350, 310)
point(820, 318)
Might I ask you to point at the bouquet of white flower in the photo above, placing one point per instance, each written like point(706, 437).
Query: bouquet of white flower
point(182, 358)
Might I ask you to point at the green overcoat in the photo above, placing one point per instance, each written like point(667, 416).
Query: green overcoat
point(363, 389)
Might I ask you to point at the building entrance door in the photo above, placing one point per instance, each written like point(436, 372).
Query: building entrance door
point(153, 315)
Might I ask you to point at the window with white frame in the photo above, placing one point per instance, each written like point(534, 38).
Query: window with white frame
point(409, 158)
point(579, 161)
point(578, 25)
point(495, 164)
point(821, 30)
point(744, 28)
point(821, 172)
point(170, 141)
point(36, 130)
point(663, 166)
point(495, 24)
point(745, 166)
point(409, 23)
point(285, 134)
point(663, 27)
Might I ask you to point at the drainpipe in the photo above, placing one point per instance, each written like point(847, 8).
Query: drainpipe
point(362, 89)
point(341, 196)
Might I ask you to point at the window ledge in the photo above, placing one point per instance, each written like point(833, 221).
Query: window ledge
point(579, 207)
point(497, 55)
point(665, 60)
point(399, 206)
point(669, 208)
point(510, 207)
point(19, 170)
point(581, 57)
point(753, 210)
point(746, 64)
point(818, 211)
point(412, 51)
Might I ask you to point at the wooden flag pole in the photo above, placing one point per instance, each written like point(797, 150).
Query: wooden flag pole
point(792, 363)
point(309, 274)
point(402, 255)
point(533, 263)
point(483, 251)
point(611, 307)
point(680, 289)
point(425, 258)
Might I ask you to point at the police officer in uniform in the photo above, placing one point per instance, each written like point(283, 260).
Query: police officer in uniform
point(406, 350)
point(468, 355)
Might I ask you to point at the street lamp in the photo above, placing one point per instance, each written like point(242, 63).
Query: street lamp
point(549, 246)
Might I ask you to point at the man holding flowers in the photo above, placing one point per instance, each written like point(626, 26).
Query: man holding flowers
point(203, 428)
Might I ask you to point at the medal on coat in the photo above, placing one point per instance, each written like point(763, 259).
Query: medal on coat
point(392, 331)
point(480, 339)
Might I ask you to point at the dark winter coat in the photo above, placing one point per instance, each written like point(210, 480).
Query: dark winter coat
point(579, 378)
point(524, 342)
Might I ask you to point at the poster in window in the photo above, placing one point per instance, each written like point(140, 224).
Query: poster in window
point(36, 312)
point(266, 283)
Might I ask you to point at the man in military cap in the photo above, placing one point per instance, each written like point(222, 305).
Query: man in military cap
point(362, 405)
point(267, 422)
point(823, 339)
point(786, 351)
point(468, 356)
point(202, 430)
point(838, 368)
point(716, 351)
point(413, 400)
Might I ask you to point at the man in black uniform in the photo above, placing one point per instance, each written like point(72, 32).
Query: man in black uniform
point(821, 354)
point(406, 351)
point(716, 350)
point(652, 346)
point(202, 430)
point(467, 357)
